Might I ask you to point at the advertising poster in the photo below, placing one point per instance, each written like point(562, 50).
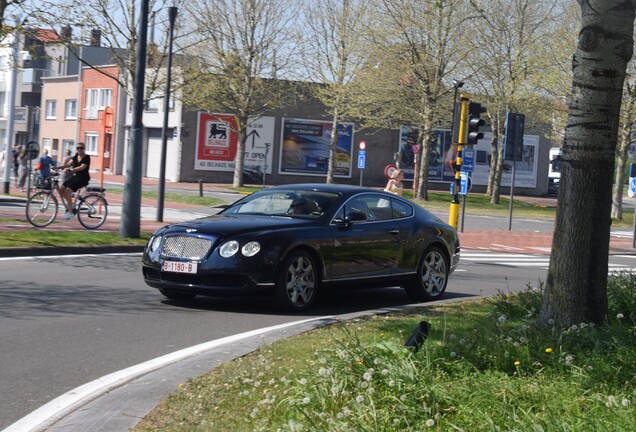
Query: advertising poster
point(305, 147)
point(441, 156)
point(438, 157)
point(525, 169)
point(217, 143)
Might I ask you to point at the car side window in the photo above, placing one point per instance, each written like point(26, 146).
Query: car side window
point(401, 209)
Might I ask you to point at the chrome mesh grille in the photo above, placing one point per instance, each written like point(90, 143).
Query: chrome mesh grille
point(185, 247)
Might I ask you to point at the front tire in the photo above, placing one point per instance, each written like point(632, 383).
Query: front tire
point(41, 209)
point(297, 282)
point(432, 276)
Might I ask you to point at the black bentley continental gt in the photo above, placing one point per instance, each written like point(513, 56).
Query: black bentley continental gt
point(290, 242)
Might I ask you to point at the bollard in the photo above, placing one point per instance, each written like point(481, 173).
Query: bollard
point(200, 188)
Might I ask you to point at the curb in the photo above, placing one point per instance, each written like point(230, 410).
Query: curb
point(13, 252)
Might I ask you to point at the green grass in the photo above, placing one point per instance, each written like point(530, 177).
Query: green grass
point(485, 366)
point(30, 238)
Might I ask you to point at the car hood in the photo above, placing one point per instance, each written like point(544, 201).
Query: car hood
point(223, 225)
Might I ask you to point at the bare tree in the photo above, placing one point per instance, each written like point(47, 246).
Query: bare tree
point(236, 48)
point(509, 35)
point(117, 22)
point(421, 43)
point(333, 54)
point(576, 288)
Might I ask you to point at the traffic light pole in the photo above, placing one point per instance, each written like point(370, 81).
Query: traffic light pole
point(453, 216)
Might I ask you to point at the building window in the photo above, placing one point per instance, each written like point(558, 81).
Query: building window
point(67, 145)
point(91, 143)
point(153, 102)
point(3, 63)
point(71, 109)
point(3, 100)
point(96, 100)
point(46, 144)
point(51, 105)
point(105, 98)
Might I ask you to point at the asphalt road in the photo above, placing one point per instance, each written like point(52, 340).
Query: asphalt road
point(66, 321)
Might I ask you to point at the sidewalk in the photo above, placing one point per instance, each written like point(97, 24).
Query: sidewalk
point(503, 241)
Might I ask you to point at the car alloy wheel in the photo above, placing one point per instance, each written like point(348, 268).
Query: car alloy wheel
point(297, 282)
point(432, 276)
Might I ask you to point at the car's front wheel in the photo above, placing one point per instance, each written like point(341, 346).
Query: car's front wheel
point(176, 295)
point(432, 276)
point(297, 282)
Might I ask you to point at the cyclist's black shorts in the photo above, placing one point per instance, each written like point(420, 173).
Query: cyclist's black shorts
point(75, 182)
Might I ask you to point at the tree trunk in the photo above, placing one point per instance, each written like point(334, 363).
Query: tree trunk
point(239, 159)
point(621, 158)
point(424, 161)
point(333, 143)
point(496, 184)
point(576, 286)
point(494, 154)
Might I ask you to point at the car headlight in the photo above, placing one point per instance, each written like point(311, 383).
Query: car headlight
point(229, 249)
point(154, 243)
point(250, 249)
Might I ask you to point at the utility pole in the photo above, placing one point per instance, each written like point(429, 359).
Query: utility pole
point(130, 226)
point(172, 15)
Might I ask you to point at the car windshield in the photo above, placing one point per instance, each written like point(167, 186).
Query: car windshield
point(293, 203)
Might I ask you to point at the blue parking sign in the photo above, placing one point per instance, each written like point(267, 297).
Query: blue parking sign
point(361, 160)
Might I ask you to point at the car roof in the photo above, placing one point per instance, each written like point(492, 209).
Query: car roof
point(326, 187)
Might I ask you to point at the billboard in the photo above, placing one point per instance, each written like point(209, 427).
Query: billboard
point(217, 143)
point(441, 155)
point(305, 147)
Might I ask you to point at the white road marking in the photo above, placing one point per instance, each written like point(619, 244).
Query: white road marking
point(62, 405)
point(40, 257)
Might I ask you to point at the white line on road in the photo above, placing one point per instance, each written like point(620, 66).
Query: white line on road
point(40, 257)
point(62, 405)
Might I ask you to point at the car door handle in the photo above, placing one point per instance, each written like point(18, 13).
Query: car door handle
point(394, 232)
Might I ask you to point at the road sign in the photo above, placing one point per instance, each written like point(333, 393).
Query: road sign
point(468, 159)
point(464, 182)
point(361, 159)
point(632, 187)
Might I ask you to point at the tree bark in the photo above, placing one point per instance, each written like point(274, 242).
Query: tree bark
point(333, 143)
point(576, 286)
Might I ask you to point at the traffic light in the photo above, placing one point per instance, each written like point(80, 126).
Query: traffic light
point(513, 140)
point(475, 122)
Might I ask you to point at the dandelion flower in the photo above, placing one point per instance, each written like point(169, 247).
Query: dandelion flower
point(517, 363)
point(551, 321)
point(391, 383)
point(359, 398)
point(548, 350)
point(366, 376)
point(430, 423)
point(626, 402)
point(303, 381)
point(306, 400)
point(620, 316)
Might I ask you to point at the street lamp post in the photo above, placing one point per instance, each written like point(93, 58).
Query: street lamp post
point(172, 15)
point(11, 114)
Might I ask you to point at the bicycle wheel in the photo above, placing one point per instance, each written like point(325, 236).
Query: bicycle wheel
point(41, 209)
point(92, 211)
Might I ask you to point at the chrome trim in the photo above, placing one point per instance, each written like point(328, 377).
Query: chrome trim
point(368, 277)
point(185, 246)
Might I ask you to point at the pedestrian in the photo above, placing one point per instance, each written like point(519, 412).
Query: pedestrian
point(395, 185)
point(45, 163)
point(16, 153)
point(79, 166)
point(23, 171)
point(66, 175)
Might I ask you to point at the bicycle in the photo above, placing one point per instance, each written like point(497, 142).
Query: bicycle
point(90, 207)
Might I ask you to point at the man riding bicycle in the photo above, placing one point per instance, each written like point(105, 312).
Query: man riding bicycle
point(79, 166)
